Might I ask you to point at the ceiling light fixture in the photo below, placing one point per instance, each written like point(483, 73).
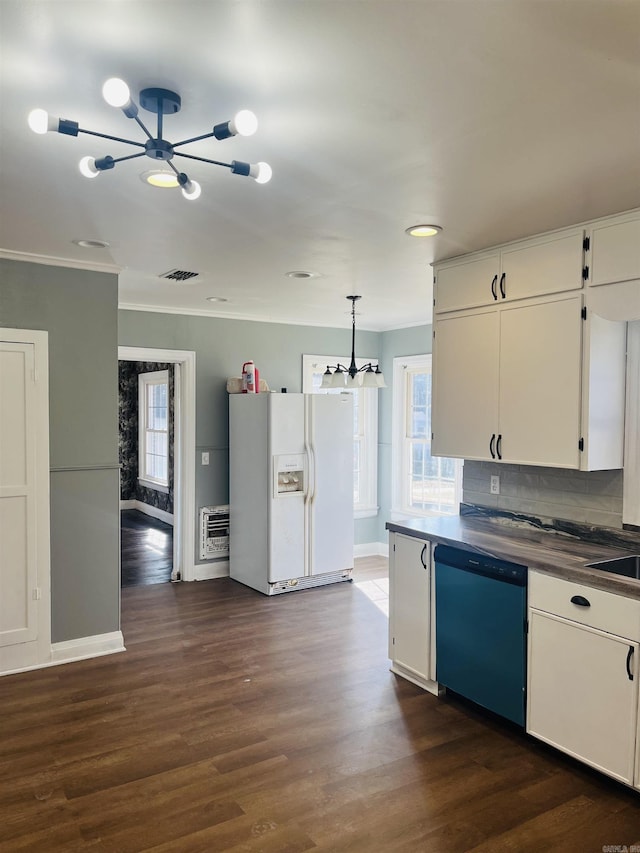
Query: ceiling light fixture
point(161, 102)
point(423, 230)
point(302, 274)
point(91, 244)
point(350, 376)
point(160, 178)
point(216, 299)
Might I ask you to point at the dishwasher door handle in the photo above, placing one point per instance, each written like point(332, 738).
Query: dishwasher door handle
point(580, 600)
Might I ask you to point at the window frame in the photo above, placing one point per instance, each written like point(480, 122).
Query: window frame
point(631, 470)
point(156, 377)
point(400, 403)
point(367, 507)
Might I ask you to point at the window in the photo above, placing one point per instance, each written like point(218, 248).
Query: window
point(631, 479)
point(422, 484)
point(153, 430)
point(365, 428)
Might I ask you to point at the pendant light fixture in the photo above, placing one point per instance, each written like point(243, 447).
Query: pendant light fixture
point(367, 376)
point(161, 102)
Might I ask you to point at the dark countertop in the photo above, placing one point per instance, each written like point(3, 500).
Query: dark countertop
point(561, 554)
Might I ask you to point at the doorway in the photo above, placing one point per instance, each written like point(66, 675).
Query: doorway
point(181, 543)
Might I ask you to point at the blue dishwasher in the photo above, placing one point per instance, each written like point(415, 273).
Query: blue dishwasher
point(481, 610)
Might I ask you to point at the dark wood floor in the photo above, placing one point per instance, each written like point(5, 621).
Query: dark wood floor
point(146, 549)
point(237, 722)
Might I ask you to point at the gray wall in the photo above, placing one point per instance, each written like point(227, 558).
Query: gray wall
point(221, 347)
point(79, 311)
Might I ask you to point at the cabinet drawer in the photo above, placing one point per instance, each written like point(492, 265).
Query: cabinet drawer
point(608, 612)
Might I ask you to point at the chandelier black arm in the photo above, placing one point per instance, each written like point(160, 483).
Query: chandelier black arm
point(203, 159)
point(113, 138)
point(194, 139)
point(141, 124)
point(128, 157)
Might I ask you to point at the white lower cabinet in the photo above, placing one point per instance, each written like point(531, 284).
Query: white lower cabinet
point(582, 695)
point(410, 609)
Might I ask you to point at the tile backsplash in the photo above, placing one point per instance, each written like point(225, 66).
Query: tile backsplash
point(589, 497)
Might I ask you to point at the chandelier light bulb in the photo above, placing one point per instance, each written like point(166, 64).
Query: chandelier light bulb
point(191, 190)
point(87, 167)
point(261, 172)
point(40, 121)
point(116, 92)
point(244, 123)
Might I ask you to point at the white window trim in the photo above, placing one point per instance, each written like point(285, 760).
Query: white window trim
point(367, 508)
point(400, 364)
point(156, 377)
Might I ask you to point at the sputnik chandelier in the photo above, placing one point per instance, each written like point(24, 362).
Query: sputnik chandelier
point(161, 102)
point(351, 376)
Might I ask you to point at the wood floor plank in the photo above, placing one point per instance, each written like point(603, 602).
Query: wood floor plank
point(239, 722)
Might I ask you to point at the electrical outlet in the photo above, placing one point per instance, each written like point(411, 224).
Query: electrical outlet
point(495, 484)
point(205, 458)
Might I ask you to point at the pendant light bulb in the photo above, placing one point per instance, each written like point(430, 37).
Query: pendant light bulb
point(116, 92)
point(87, 167)
point(244, 123)
point(40, 121)
point(191, 190)
point(261, 172)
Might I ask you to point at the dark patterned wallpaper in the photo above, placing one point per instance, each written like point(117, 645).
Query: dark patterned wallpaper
point(130, 489)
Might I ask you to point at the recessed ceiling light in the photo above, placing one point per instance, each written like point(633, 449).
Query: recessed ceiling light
point(92, 244)
point(160, 178)
point(423, 230)
point(216, 299)
point(302, 274)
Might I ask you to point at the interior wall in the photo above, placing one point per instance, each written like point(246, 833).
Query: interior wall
point(78, 309)
point(221, 347)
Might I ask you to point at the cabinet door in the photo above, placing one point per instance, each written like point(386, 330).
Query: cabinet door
point(582, 693)
point(467, 284)
point(552, 266)
point(465, 385)
point(540, 372)
point(615, 252)
point(409, 605)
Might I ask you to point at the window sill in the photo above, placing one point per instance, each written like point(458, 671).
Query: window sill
point(158, 487)
point(403, 514)
point(366, 512)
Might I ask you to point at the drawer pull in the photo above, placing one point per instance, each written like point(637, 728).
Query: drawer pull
point(493, 286)
point(580, 600)
point(424, 548)
point(629, 656)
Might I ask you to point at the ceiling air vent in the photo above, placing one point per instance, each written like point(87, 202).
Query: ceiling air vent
point(179, 275)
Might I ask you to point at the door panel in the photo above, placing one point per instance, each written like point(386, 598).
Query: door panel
point(18, 568)
point(411, 614)
point(330, 425)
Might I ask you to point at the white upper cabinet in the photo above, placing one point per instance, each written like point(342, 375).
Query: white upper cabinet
point(468, 283)
point(551, 264)
point(615, 252)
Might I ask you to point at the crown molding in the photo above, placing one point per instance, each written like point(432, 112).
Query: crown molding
point(51, 261)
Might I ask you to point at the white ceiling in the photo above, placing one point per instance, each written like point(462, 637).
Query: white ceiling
point(496, 119)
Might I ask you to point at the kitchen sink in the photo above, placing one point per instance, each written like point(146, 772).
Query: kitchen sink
point(627, 566)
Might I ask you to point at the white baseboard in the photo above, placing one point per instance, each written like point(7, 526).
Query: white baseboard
point(147, 509)
point(87, 647)
point(371, 549)
point(209, 571)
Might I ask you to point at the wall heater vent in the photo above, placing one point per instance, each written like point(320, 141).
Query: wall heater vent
point(214, 532)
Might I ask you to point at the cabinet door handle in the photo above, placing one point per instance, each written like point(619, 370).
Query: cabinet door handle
point(422, 553)
point(499, 446)
point(503, 292)
point(491, 443)
point(493, 286)
point(580, 600)
point(629, 657)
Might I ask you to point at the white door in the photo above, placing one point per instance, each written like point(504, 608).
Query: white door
point(467, 284)
point(409, 616)
point(464, 416)
point(330, 505)
point(24, 500)
point(583, 693)
point(540, 372)
point(615, 252)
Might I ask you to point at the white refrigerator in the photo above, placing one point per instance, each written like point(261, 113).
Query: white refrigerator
point(290, 490)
